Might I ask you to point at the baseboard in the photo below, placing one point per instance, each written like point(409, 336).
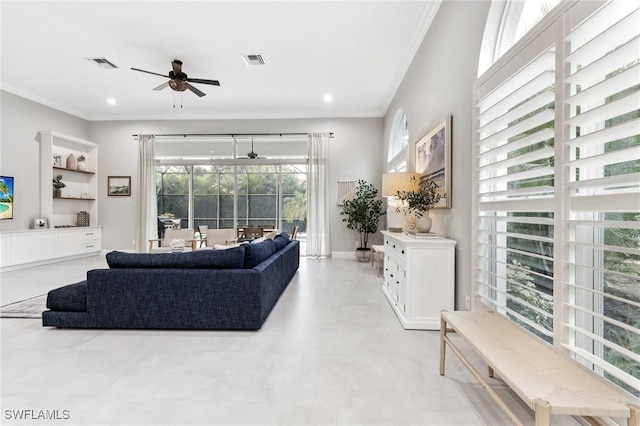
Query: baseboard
point(343, 255)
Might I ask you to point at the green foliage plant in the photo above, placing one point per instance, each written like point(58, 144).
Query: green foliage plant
point(58, 183)
point(421, 201)
point(363, 212)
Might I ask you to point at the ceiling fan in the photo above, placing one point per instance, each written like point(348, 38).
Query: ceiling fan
point(179, 81)
point(252, 155)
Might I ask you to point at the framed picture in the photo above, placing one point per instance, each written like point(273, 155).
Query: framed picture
point(57, 160)
point(6, 197)
point(433, 159)
point(40, 223)
point(119, 186)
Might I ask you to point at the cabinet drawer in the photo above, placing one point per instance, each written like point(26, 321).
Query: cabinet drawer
point(89, 236)
point(394, 248)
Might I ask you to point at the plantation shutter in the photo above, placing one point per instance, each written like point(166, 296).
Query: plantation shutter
point(515, 191)
point(557, 186)
point(602, 157)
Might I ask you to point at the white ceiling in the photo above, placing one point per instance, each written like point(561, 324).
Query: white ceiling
point(358, 51)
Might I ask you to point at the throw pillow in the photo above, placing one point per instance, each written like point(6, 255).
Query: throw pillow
point(206, 259)
point(281, 241)
point(257, 253)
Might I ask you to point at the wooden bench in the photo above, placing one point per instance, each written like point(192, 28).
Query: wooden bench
point(545, 380)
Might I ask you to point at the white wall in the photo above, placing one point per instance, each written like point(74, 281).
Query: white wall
point(356, 150)
point(20, 152)
point(439, 82)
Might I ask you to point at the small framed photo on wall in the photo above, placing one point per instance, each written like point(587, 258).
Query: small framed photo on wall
point(119, 186)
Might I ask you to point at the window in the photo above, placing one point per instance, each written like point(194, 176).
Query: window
point(398, 141)
point(508, 22)
point(557, 187)
point(204, 183)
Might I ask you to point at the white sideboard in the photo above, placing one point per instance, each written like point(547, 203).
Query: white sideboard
point(19, 249)
point(419, 278)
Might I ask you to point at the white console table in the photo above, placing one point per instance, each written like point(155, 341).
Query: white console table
point(419, 278)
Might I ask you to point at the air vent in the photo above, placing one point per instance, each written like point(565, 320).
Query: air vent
point(253, 60)
point(102, 63)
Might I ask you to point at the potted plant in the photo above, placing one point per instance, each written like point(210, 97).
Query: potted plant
point(419, 203)
point(58, 184)
point(82, 163)
point(362, 215)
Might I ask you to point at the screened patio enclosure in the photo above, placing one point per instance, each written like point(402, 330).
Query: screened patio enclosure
point(214, 182)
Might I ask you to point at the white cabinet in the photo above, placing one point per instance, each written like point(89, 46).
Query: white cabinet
point(81, 190)
point(419, 278)
point(25, 248)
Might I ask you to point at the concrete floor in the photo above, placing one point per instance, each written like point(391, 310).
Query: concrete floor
point(332, 352)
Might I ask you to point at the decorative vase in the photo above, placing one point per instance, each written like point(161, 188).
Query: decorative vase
point(71, 162)
point(423, 223)
point(363, 254)
point(82, 165)
point(57, 192)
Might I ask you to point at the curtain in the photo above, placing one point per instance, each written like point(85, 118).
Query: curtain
point(318, 223)
point(147, 218)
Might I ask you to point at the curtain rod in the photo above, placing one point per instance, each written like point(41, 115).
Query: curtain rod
point(232, 135)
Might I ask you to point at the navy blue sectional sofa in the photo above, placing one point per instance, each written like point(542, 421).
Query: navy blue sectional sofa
point(209, 289)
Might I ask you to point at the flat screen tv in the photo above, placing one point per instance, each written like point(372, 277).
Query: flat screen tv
point(6, 197)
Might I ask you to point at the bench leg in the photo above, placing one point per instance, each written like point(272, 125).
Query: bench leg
point(443, 344)
point(634, 415)
point(543, 412)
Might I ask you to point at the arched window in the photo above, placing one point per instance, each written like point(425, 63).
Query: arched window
point(508, 22)
point(398, 141)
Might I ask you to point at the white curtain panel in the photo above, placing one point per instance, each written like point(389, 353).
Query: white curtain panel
point(318, 223)
point(147, 226)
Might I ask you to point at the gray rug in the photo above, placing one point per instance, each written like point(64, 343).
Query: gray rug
point(30, 308)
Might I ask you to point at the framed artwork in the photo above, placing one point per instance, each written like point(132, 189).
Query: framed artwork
point(433, 159)
point(119, 186)
point(57, 160)
point(6, 197)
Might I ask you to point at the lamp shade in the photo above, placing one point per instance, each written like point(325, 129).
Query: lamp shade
point(400, 181)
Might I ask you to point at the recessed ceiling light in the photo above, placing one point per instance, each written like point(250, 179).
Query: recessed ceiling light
point(328, 98)
point(111, 101)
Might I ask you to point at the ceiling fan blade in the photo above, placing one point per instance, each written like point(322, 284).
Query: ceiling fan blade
point(162, 86)
point(196, 91)
point(149, 72)
point(177, 67)
point(202, 81)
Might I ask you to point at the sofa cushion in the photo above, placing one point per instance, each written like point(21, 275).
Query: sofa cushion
point(201, 259)
point(257, 253)
point(281, 241)
point(70, 298)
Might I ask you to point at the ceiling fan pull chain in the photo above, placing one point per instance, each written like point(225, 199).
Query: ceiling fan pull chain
point(180, 99)
point(174, 99)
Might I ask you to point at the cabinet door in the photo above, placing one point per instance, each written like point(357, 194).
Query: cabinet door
point(68, 242)
point(5, 250)
point(22, 248)
point(401, 297)
point(46, 245)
